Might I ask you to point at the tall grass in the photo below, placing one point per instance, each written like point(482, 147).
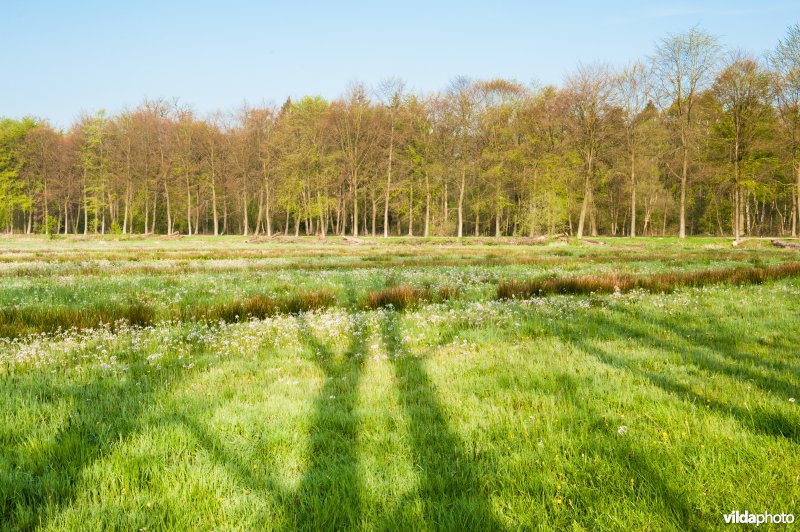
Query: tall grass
point(404, 296)
point(658, 282)
point(18, 321)
point(261, 306)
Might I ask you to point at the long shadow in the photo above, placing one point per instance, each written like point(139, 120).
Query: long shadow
point(664, 498)
point(328, 496)
point(453, 493)
point(705, 354)
point(260, 481)
point(723, 341)
point(758, 420)
point(37, 484)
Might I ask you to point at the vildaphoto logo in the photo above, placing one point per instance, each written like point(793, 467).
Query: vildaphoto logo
point(746, 518)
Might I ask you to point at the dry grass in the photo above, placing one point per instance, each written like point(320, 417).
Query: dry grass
point(659, 282)
point(404, 296)
point(261, 306)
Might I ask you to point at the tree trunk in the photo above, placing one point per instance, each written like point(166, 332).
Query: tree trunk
point(411, 210)
point(245, 221)
point(633, 195)
point(188, 206)
point(268, 211)
point(446, 209)
point(427, 206)
point(169, 214)
point(355, 204)
point(374, 200)
point(797, 199)
point(461, 200)
point(388, 185)
point(584, 208)
point(684, 177)
point(260, 211)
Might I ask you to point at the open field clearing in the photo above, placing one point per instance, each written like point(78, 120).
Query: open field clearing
point(214, 383)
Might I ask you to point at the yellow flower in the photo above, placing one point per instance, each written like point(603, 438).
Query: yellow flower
point(558, 500)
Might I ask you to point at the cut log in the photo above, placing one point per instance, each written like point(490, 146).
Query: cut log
point(784, 244)
point(261, 239)
point(594, 242)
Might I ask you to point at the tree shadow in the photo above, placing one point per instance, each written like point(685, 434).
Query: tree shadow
point(757, 419)
point(721, 341)
point(453, 493)
point(260, 481)
point(104, 411)
point(663, 498)
point(328, 496)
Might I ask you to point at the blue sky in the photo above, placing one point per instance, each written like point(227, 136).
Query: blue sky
point(60, 58)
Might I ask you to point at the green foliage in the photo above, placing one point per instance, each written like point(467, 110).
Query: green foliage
point(48, 225)
point(12, 192)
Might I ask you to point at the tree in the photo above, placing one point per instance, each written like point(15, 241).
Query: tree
point(356, 140)
point(12, 193)
point(785, 62)
point(633, 95)
point(684, 64)
point(742, 90)
point(589, 92)
point(391, 93)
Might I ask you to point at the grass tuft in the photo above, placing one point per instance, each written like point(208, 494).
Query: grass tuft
point(262, 306)
point(659, 282)
point(404, 296)
point(398, 297)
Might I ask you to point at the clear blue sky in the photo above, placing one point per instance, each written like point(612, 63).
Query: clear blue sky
point(60, 58)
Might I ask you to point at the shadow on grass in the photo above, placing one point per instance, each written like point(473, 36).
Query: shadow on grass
point(622, 325)
point(257, 480)
point(453, 494)
point(664, 496)
point(37, 479)
point(328, 496)
point(718, 339)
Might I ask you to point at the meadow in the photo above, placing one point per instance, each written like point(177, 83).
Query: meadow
point(489, 384)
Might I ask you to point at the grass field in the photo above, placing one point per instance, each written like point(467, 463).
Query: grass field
point(412, 384)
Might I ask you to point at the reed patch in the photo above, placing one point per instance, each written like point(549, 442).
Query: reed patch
point(658, 282)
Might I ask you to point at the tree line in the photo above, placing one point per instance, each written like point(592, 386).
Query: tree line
point(693, 139)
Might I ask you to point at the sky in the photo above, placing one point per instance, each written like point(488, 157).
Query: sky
point(60, 59)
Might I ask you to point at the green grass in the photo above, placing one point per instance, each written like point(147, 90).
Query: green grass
point(642, 411)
